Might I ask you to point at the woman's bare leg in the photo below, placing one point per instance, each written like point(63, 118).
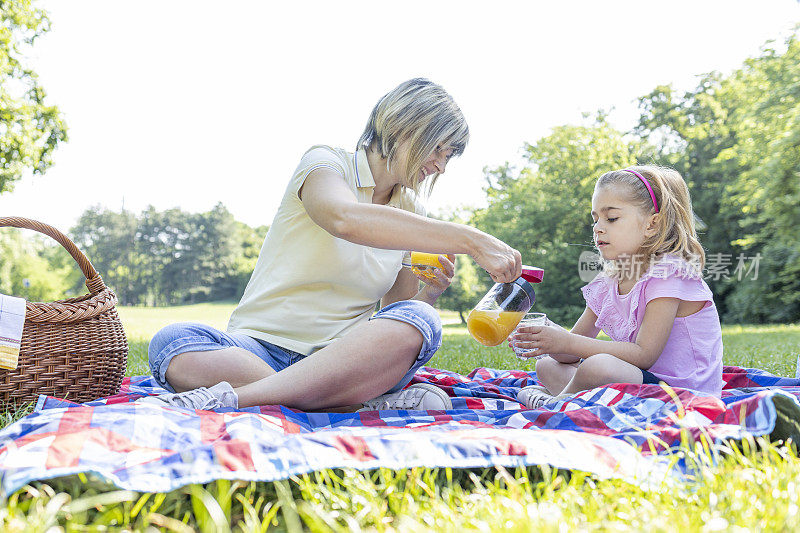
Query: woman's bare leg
point(191, 370)
point(363, 364)
point(235, 365)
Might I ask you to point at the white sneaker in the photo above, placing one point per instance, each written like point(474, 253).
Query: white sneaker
point(417, 397)
point(218, 396)
point(534, 396)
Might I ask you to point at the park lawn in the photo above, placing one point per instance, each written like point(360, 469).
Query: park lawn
point(753, 487)
point(141, 323)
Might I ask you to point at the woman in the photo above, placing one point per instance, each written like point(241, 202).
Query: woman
point(304, 333)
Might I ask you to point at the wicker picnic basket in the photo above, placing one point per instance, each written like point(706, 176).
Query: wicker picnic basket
point(73, 349)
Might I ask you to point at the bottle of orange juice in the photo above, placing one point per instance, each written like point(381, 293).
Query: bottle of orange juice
point(501, 309)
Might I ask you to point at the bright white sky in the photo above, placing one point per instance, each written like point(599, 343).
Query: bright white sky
point(188, 103)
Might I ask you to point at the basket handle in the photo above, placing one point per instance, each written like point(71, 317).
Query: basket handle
point(94, 282)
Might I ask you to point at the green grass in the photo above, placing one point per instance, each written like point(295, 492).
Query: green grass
point(141, 323)
point(754, 487)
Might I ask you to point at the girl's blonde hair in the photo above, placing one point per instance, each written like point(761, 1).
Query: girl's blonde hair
point(422, 113)
point(675, 226)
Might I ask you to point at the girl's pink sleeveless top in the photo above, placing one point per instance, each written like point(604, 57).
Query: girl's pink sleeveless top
point(692, 357)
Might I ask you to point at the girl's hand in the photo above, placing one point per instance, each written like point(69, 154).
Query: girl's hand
point(542, 339)
point(502, 262)
point(435, 286)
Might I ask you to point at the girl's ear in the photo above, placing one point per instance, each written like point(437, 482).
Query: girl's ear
point(652, 225)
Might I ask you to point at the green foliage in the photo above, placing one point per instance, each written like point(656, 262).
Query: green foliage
point(155, 258)
point(774, 296)
point(33, 269)
point(30, 129)
point(736, 139)
point(169, 257)
point(250, 241)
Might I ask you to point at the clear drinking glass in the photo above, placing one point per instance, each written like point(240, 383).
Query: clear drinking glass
point(530, 319)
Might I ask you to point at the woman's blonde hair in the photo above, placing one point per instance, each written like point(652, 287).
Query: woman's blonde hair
point(675, 226)
point(422, 113)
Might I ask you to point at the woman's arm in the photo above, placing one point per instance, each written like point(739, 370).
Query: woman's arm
point(659, 317)
point(331, 204)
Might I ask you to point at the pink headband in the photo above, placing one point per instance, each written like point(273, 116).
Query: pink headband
point(646, 184)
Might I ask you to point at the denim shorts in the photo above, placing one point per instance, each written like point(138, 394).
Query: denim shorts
point(194, 337)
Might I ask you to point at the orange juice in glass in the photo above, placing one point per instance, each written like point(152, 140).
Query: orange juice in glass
point(424, 264)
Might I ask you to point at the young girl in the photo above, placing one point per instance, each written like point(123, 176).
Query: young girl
point(650, 298)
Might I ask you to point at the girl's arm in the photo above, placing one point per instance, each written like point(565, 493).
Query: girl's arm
point(659, 318)
point(584, 327)
point(332, 205)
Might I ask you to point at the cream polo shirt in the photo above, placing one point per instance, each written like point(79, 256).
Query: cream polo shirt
point(308, 287)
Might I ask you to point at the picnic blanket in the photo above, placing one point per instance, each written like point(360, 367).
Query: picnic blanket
point(623, 430)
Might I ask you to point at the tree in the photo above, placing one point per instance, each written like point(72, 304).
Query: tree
point(209, 257)
point(107, 238)
point(26, 272)
point(766, 190)
point(30, 129)
point(736, 139)
point(251, 240)
point(169, 257)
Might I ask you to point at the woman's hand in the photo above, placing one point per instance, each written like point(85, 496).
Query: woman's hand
point(502, 262)
point(435, 286)
point(542, 339)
